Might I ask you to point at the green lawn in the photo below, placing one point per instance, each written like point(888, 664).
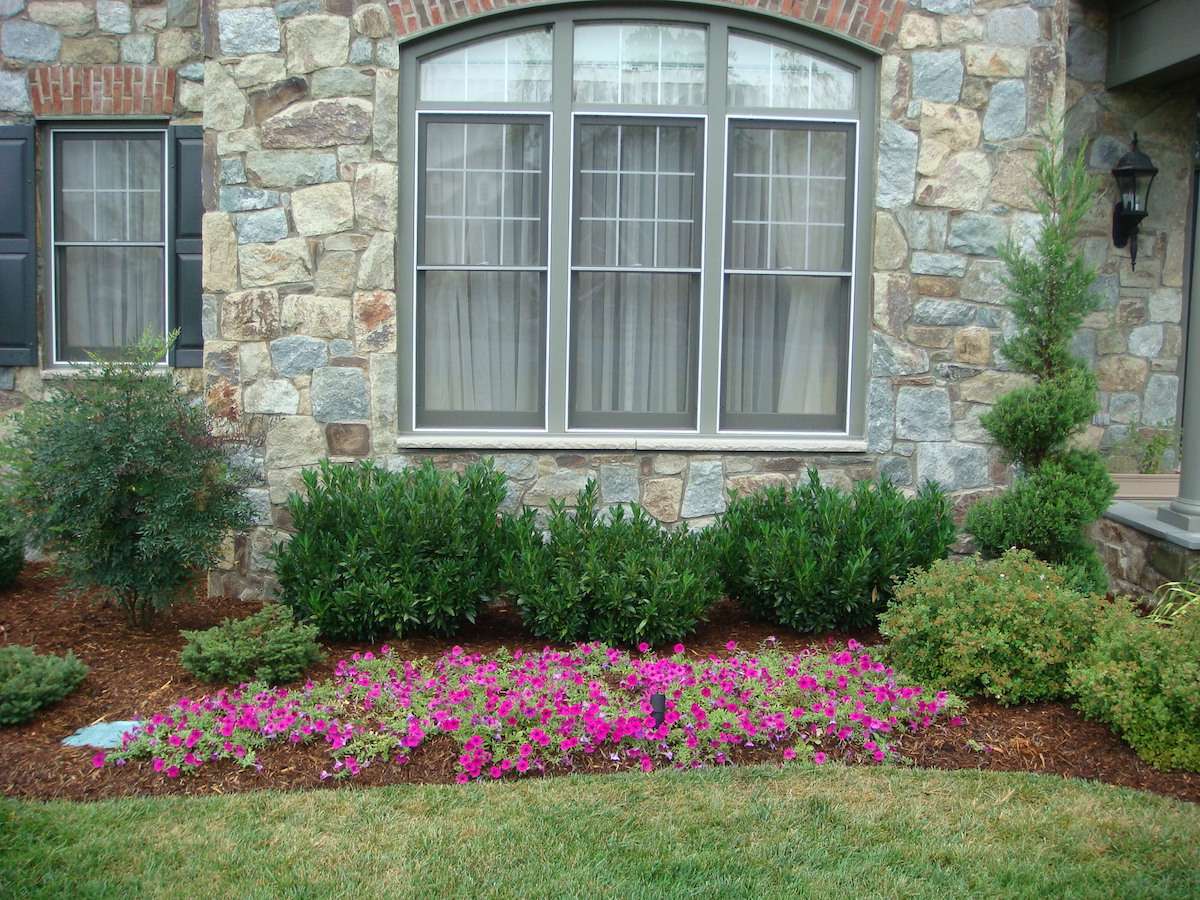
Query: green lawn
point(751, 832)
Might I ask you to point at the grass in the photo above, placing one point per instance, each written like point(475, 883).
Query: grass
point(750, 832)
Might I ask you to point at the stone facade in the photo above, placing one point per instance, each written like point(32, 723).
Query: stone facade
point(1139, 563)
point(300, 103)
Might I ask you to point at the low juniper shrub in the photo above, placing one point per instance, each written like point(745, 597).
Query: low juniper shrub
point(614, 575)
point(269, 646)
point(814, 557)
point(30, 681)
point(1142, 679)
point(379, 553)
point(1007, 628)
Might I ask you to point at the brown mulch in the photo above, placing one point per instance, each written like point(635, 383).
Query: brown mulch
point(134, 673)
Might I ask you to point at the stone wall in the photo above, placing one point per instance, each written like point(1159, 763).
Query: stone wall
point(1139, 563)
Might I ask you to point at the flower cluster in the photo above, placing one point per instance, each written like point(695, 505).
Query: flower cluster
point(555, 710)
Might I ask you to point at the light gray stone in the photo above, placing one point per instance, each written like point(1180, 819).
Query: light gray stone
point(1087, 53)
point(386, 128)
point(224, 102)
point(1006, 114)
point(138, 50)
point(387, 54)
point(890, 356)
point(937, 75)
point(375, 204)
point(377, 268)
point(317, 42)
point(341, 347)
point(69, 17)
point(516, 467)
point(233, 171)
point(924, 263)
point(292, 168)
point(944, 7)
point(220, 253)
point(271, 396)
point(881, 415)
point(1015, 26)
point(335, 273)
point(619, 484)
point(339, 394)
point(192, 71)
point(361, 51)
point(289, 9)
point(210, 310)
point(252, 71)
point(977, 233)
point(114, 16)
point(1108, 289)
point(323, 208)
point(925, 228)
point(284, 262)
point(319, 123)
point(11, 7)
point(264, 227)
point(1166, 305)
point(294, 441)
point(563, 485)
point(298, 355)
point(1124, 408)
point(245, 199)
point(183, 13)
point(897, 166)
point(260, 505)
point(1146, 340)
point(897, 470)
point(954, 466)
point(984, 282)
point(316, 316)
point(29, 41)
point(923, 414)
point(938, 311)
point(1161, 400)
point(245, 31)
point(342, 82)
point(14, 92)
point(704, 494)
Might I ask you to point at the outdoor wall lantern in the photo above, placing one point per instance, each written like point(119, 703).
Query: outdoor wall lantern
point(1134, 173)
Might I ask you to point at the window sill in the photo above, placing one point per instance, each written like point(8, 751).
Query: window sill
point(666, 443)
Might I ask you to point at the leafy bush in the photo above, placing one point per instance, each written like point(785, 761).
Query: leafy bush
point(1141, 679)
point(377, 553)
point(269, 646)
point(117, 476)
point(29, 681)
point(815, 558)
point(1059, 491)
point(12, 556)
point(622, 580)
point(1007, 628)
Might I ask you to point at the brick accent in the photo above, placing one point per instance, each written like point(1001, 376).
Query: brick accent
point(102, 90)
point(873, 22)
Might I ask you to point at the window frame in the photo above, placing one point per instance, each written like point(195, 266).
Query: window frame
point(718, 120)
point(50, 178)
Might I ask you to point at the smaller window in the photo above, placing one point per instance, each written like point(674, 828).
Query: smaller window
point(511, 69)
point(772, 75)
point(109, 240)
point(641, 63)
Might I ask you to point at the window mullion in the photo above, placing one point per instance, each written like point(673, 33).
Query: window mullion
point(559, 293)
point(713, 211)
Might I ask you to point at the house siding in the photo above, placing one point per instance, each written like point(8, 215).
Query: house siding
point(301, 138)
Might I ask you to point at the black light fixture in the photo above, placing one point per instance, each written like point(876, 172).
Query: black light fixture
point(1134, 173)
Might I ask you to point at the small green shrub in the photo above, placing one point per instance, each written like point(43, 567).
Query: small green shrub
point(29, 681)
point(378, 553)
point(12, 556)
point(622, 580)
point(117, 476)
point(814, 557)
point(1036, 422)
point(1006, 628)
point(269, 646)
point(1143, 680)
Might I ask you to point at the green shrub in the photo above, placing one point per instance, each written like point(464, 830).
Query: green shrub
point(269, 646)
point(620, 578)
point(1046, 512)
point(1006, 628)
point(12, 556)
point(1142, 679)
point(29, 681)
point(814, 557)
point(118, 477)
point(377, 553)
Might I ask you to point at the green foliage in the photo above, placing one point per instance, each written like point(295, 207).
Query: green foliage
point(1007, 628)
point(118, 477)
point(12, 556)
point(815, 558)
point(1143, 450)
point(1141, 679)
point(621, 579)
point(29, 681)
point(269, 646)
point(377, 553)
point(1176, 599)
point(1058, 491)
point(1046, 512)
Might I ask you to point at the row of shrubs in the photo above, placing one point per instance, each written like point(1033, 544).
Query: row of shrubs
point(378, 553)
point(1014, 630)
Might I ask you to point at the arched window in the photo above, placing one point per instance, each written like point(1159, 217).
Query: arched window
point(636, 220)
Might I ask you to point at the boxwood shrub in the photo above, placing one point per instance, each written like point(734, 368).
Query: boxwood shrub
point(30, 681)
point(378, 553)
point(269, 646)
point(814, 557)
point(609, 575)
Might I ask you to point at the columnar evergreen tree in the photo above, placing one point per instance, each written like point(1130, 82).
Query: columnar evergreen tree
point(1059, 489)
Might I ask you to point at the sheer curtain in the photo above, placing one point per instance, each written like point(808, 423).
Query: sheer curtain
point(482, 330)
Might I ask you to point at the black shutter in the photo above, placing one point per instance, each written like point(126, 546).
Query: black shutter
point(18, 248)
point(186, 152)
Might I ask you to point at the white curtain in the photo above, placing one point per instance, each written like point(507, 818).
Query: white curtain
point(109, 296)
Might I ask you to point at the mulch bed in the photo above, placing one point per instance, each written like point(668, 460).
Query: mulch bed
point(135, 673)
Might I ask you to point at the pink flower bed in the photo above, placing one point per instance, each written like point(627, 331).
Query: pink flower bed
point(551, 710)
